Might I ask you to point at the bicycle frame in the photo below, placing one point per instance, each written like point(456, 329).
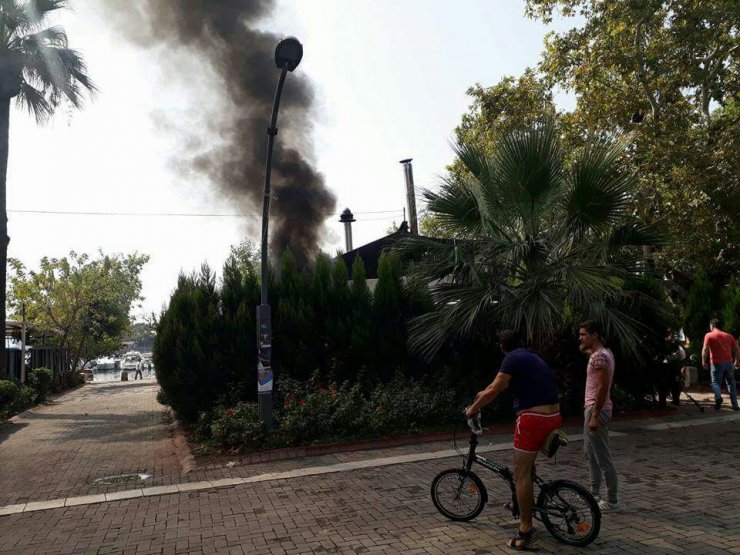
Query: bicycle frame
point(503, 471)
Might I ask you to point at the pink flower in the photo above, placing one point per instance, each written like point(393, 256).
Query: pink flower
point(229, 412)
point(287, 402)
point(301, 402)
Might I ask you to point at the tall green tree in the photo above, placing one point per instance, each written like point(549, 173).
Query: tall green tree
point(187, 350)
point(698, 311)
point(83, 303)
point(668, 72)
point(512, 104)
point(359, 325)
point(731, 307)
point(39, 69)
point(295, 336)
point(541, 240)
point(338, 325)
point(239, 295)
point(389, 333)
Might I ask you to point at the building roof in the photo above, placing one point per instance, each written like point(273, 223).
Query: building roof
point(370, 253)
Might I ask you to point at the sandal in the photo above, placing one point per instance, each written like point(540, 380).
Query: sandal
point(523, 540)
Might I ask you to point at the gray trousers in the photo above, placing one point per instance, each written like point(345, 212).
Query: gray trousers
point(598, 456)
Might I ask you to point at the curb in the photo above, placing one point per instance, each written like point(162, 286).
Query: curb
point(182, 447)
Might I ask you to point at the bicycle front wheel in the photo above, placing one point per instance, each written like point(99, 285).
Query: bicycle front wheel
point(458, 494)
point(569, 512)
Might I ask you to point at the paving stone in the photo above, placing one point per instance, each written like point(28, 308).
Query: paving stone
point(108, 429)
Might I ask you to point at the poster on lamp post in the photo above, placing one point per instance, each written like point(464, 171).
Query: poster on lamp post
point(264, 344)
point(264, 378)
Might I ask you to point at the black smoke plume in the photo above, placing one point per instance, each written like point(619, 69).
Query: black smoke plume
point(223, 34)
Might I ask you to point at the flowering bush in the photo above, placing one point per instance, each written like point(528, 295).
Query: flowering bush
point(234, 426)
point(318, 412)
point(401, 407)
point(313, 412)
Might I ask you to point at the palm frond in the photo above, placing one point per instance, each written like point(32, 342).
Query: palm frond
point(58, 72)
point(50, 70)
point(635, 234)
point(474, 160)
point(35, 102)
point(52, 36)
point(38, 10)
point(13, 18)
point(456, 207)
point(597, 193)
point(459, 310)
point(528, 173)
point(620, 324)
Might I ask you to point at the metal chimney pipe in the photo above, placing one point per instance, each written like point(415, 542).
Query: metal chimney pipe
point(410, 195)
point(347, 218)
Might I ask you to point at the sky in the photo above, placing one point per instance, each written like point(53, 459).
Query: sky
point(390, 78)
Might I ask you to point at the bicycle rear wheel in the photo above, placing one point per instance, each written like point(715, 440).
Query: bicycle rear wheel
point(569, 512)
point(458, 495)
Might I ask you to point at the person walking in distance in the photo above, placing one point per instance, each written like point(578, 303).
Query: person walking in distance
point(598, 413)
point(139, 368)
point(719, 348)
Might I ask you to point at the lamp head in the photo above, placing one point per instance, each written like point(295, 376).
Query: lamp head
point(288, 53)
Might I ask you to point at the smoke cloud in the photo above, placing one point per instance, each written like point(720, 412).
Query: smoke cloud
point(223, 35)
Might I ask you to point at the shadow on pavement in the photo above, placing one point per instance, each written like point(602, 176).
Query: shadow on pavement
point(9, 428)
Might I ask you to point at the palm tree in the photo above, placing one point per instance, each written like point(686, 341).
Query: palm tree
point(39, 69)
point(541, 240)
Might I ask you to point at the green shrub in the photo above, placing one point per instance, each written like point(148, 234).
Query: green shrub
point(15, 398)
point(399, 407)
point(239, 425)
point(309, 414)
point(162, 397)
point(25, 399)
point(8, 393)
point(41, 379)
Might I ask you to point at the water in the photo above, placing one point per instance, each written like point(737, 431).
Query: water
point(115, 375)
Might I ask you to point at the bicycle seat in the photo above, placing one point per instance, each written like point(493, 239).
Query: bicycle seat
point(552, 443)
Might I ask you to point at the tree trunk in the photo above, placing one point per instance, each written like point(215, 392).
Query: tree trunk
point(4, 239)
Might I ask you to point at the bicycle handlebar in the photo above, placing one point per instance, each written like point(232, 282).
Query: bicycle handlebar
point(474, 425)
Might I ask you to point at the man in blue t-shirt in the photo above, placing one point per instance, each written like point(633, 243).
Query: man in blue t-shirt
point(537, 406)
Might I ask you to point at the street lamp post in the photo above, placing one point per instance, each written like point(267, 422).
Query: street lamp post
point(288, 54)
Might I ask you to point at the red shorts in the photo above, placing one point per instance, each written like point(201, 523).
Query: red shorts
point(532, 428)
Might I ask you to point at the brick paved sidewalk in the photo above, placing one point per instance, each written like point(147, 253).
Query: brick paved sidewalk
point(677, 488)
point(99, 430)
point(676, 491)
